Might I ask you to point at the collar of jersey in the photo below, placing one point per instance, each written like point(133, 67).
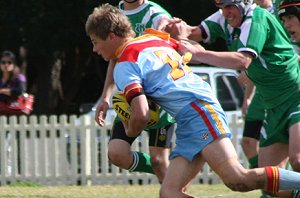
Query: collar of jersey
point(150, 34)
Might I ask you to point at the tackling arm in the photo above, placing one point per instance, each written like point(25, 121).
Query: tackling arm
point(232, 60)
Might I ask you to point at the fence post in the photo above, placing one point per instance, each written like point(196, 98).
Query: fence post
point(3, 159)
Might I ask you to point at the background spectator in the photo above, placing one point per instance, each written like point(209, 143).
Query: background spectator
point(12, 83)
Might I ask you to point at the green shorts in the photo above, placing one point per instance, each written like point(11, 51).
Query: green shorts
point(256, 111)
point(279, 120)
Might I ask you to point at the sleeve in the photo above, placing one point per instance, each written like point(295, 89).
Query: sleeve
point(156, 18)
point(128, 80)
point(214, 27)
point(157, 12)
point(19, 86)
point(255, 38)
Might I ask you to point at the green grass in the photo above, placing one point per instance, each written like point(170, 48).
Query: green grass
point(115, 191)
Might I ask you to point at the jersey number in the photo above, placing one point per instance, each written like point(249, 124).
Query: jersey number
point(177, 72)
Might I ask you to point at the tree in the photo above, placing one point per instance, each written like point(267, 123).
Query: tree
point(62, 71)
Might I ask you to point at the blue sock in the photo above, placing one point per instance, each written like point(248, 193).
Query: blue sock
point(288, 179)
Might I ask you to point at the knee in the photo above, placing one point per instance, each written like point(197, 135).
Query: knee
point(295, 163)
point(248, 143)
point(158, 161)
point(245, 142)
point(116, 158)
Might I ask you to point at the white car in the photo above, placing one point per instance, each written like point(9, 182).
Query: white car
point(223, 83)
point(225, 86)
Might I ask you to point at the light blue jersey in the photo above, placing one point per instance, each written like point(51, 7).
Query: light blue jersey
point(150, 64)
point(158, 69)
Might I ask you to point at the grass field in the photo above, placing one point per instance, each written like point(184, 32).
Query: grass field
point(116, 191)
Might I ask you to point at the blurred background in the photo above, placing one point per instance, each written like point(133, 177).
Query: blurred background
point(55, 54)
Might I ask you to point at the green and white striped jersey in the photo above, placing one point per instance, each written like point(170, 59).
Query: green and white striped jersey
point(274, 69)
point(145, 16)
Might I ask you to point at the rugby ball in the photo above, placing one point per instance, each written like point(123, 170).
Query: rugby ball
point(123, 109)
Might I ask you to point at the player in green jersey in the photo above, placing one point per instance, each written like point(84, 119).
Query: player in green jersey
point(289, 13)
point(252, 110)
point(257, 44)
point(142, 14)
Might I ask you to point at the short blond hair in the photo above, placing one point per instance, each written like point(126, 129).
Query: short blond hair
point(107, 18)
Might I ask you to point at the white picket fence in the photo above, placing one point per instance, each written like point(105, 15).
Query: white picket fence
point(70, 150)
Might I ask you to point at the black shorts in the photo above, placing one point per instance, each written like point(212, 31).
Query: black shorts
point(161, 137)
point(252, 129)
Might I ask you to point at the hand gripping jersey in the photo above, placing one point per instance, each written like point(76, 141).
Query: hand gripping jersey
point(150, 62)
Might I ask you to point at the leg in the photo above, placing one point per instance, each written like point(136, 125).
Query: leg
point(277, 153)
point(159, 161)
point(250, 141)
point(179, 174)
point(273, 155)
point(159, 149)
point(252, 128)
point(250, 147)
point(120, 154)
point(222, 158)
point(294, 146)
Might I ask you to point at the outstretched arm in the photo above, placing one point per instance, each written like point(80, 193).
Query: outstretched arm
point(108, 88)
point(233, 60)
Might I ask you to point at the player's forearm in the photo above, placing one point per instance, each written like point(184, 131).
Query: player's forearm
point(135, 127)
point(109, 82)
point(139, 116)
point(232, 60)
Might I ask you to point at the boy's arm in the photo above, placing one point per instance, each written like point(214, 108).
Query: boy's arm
point(108, 88)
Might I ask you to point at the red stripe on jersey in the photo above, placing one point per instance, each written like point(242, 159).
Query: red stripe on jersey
point(133, 90)
point(205, 119)
point(132, 50)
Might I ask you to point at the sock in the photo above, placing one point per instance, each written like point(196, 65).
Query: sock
point(295, 194)
point(253, 162)
point(288, 166)
point(265, 195)
point(281, 179)
point(141, 163)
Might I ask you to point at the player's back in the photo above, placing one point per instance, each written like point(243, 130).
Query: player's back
point(155, 64)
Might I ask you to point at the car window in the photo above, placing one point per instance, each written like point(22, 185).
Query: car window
point(238, 89)
point(204, 76)
point(229, 92)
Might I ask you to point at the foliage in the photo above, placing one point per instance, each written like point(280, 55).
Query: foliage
point(54, 30)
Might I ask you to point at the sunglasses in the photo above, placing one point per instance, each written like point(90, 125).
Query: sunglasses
point(6, 62)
